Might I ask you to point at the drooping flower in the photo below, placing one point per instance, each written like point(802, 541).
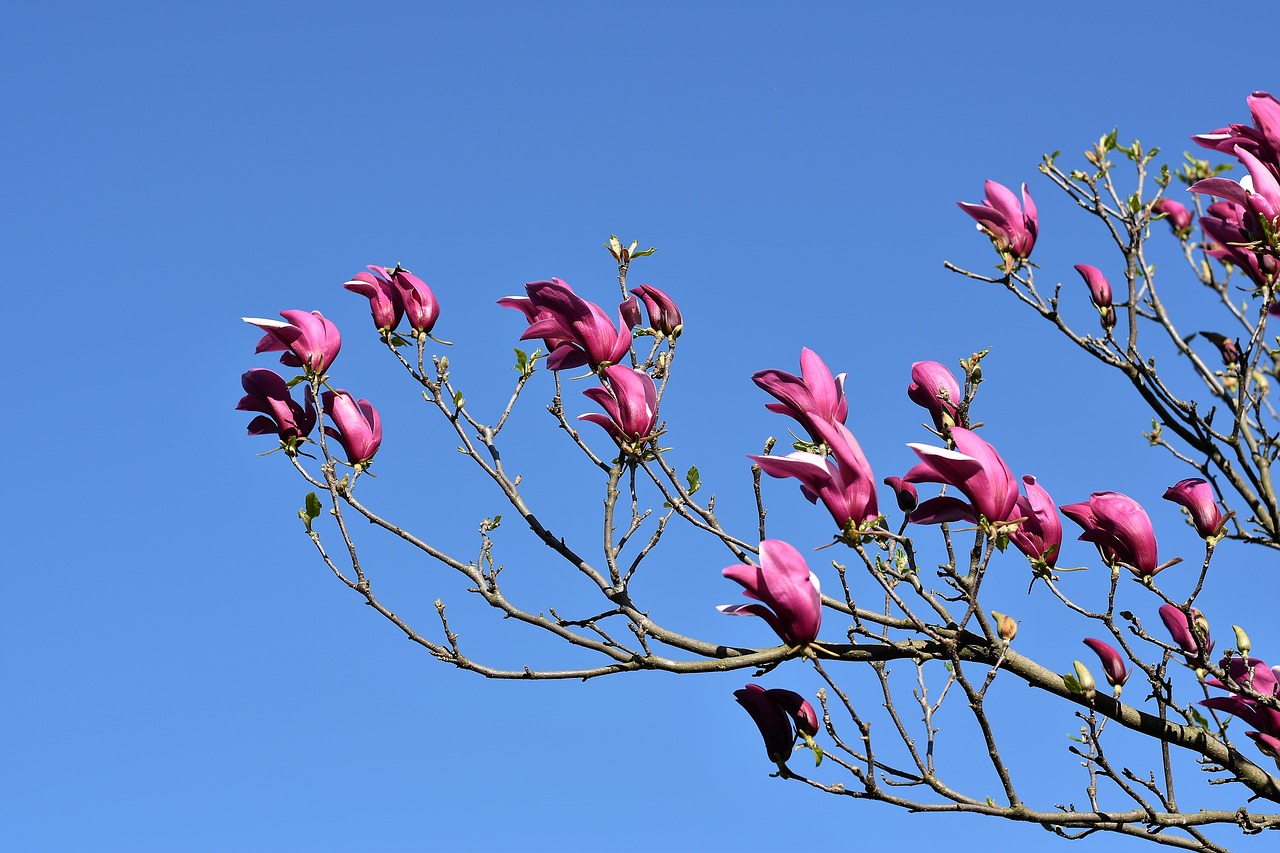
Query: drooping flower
point(1039, 536)
point(812, 397)
point(1184, 630)
point(976, 470)
point(1196, 496)
point(267, 392)
point(307, 340)
point(775, 711)
point(908, 498)
point(936, 389)
point(385, 303)
point(845, 486)
point(1012, 227)
point(1113, 665)
point(575, 331)
point(630, 400)
point(1099, 293)
point(1176, 213)
point(790, 595)
point(1228, 348)
point(1121, 529)
point(664, 316)
point(357, 425)
point(421, 307)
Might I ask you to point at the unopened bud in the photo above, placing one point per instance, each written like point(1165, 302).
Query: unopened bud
point(1084, 677)
point(1242, 640)
point(1006, 626)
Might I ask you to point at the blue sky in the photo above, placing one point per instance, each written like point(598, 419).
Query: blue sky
point(181, 673)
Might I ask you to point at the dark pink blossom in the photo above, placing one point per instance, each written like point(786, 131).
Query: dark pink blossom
point(907, 497)
point(385, 303)
point(307, 340)
point(357, 425)
point(421, 307)
point(1176, 213)
point(664, 316)
point(1039, 536)
point(1228, 348)
point(1231, 241)
point(575, 331)
point(936, 389)
point(790, 595)
point(1196, 496)
point(1121, 529)
point(1262, 141)
point(1012, 227)
point(630, 401)
point(815, 396)
point(1099, 293)
point(267, 392)
point(976, 470)
point(845, 486)
point(775, 712)
point(1113, 665)
point(1181, 628)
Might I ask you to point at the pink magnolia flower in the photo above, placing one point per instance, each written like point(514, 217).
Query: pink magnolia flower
point(385, 303)
point(976, 470)
point(1121, 529)
point(1113, 665)
point(1232, 240)
point(1257, 195)
point(1012, 227)
point(791, 596)
point(1176, 213)
point(1262, 141)
point(845, 486)
point(357, 425)
point(1196, 496)
point(1099, 293)
point(1252, 674)
point(936, 389)
point(308, 340)
point(1183, 630)
point(630, 400)
point(812, 397)
point(775, 712)
point(575, 331)
point(1039, 536)
point(420, 305)
point(664, 316)
point(267, 392)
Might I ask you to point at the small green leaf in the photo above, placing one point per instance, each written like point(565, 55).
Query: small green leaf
point(458, 399)
point(497, 519)
point(295, 380)
point(1073, 686)
point(397, 341)
point(522, 361)
point(313, 505)
point(644, 253)
point(817, 755)
point(694, 479)
point(1199, 719)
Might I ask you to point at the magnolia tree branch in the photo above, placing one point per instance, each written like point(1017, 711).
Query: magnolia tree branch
point(931, 619)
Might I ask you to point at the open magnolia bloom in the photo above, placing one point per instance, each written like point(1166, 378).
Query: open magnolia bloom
point(307, 340)
point(575, 331)
point(976, 470)
point(790, 594)
point(813, 397)
point(1121, 529)
point(1012, 227)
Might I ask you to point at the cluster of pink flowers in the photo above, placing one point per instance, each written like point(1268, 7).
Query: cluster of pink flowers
point(579, 333)
point(1251, 674)
point(1245, 224)
point(311, 342)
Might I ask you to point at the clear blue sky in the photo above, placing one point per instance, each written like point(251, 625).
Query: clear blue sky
point(180, 673)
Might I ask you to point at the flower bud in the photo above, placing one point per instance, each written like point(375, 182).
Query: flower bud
point(1006, 626)
point(1242, 640)
point(1084, 678)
